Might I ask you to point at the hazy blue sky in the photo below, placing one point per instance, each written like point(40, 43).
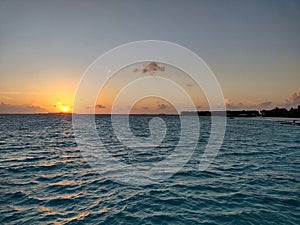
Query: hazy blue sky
point(253, 47)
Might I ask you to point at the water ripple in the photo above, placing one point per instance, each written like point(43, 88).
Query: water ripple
point(45, 180)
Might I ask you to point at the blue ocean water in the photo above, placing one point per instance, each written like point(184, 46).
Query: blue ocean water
point(45, 180)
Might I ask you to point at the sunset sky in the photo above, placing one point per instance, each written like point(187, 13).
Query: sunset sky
point(253, 48)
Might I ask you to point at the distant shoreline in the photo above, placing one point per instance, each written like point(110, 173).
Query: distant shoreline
point(273, 113)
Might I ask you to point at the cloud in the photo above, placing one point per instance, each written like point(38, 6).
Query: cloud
point(230, 105)
point(227, 101)
point(8, 108)
point(189, 85)
point(145, 107)
point(162, 106)
point(150, 68)
point(264, 105)
point(246, 105)
point(293, 100)
point(240, 105)
point(99, 106)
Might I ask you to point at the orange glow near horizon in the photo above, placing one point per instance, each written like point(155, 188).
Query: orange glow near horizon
point(66, 109)
point(56, 95)
point(63, 107)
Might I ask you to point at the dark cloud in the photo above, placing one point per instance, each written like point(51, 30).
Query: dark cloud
point(240, 106)
point(8, 108)
point(162, 106)
point(100, 106)
point(150, 68)
point(189, 85)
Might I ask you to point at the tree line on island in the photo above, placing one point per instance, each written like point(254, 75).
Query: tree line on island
point(277, 112)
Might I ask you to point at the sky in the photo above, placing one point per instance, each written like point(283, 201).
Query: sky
point(253, 48)
point(150, 104)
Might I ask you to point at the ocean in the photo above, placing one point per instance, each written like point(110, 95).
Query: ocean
point(44, 178)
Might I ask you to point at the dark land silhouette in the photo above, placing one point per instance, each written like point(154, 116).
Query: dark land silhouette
point(282, 112)
point(277, 112)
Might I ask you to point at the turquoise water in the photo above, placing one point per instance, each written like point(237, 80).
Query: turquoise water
point(44, 179)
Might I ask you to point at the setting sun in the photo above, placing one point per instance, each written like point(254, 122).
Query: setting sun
point(65, 108)
point(62, 107)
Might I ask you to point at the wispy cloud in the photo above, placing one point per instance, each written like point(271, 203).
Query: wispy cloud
point(8, 108)
point(265, 105)
point(99, 106)
point(293, 100)
point(247, 105)
point(10, 92)
point(24, 93)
